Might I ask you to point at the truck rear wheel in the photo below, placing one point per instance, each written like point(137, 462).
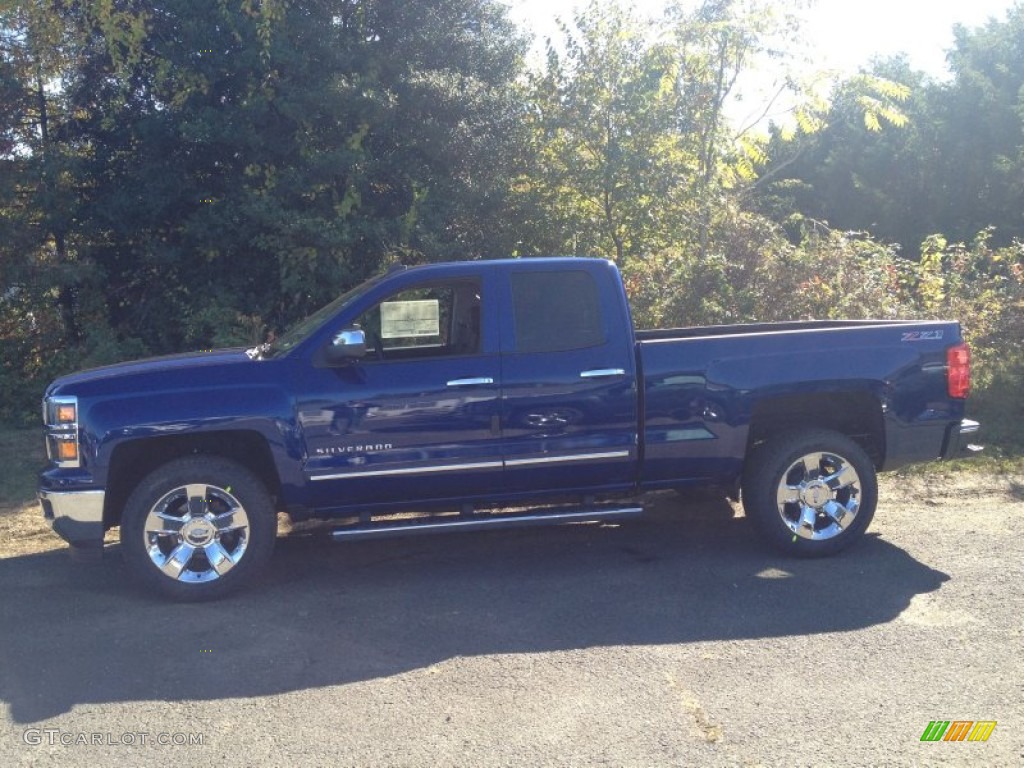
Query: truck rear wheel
point(810, 493)
point(198, 527)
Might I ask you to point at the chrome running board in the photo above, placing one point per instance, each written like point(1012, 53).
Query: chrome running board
point(472, 522)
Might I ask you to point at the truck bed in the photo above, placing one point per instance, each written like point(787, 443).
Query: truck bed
point(710, 393)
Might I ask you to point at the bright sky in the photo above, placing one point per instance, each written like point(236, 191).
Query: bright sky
point(846, 33)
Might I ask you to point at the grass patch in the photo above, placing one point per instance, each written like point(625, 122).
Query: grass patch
point(22, 455)
point(22, 527)
point(993, 462)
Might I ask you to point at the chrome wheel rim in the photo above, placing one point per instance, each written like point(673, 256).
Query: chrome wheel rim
point(819, 496)
point(197, 533)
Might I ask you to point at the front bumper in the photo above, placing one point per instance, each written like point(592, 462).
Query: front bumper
point(958, 443)
point(76, 516)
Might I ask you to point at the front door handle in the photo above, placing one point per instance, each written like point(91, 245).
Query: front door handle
point(479, 381)
point(602, 373)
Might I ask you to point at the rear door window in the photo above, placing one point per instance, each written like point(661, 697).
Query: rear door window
point(556, 311)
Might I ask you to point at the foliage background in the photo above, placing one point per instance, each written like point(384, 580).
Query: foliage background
point(183, 175)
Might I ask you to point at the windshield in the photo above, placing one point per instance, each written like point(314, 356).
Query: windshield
point(305, 327)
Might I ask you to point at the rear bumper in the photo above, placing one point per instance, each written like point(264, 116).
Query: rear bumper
point(76, 516)
point(959, 437)
point(928, 442)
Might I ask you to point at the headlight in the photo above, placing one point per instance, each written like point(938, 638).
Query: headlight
point(67, 413)
point(61, 417)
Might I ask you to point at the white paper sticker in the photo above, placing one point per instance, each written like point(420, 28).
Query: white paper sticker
point(410, 319)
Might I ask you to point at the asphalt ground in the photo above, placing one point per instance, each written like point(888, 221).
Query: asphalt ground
point(675, 639)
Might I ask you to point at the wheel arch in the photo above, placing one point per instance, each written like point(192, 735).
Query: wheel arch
point(857, 415)
point(133, 460)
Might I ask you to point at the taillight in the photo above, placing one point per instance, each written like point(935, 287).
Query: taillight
point(958, 371)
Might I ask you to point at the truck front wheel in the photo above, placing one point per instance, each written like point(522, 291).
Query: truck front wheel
point(810, 493)
point(198, 527)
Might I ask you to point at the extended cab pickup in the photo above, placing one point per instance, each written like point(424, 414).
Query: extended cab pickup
point(452, 388)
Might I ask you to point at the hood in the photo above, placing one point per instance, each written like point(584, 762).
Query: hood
point(151, 365)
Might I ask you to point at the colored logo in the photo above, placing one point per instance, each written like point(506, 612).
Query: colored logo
point(958, 730)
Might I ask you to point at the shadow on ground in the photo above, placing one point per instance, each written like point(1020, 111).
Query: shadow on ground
point(327, 614)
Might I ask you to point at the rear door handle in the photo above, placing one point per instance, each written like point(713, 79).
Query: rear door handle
point(602, 373)
point(479, 381)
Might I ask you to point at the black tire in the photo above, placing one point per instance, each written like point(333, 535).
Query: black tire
point(190, 544)
point(810, 493)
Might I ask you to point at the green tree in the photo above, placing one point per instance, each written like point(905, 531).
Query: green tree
point(861, 168)
point(982, 119)
point(257, 157)
point(955, 167)
point(181, 174)
point(630, 137)
point(37, 51)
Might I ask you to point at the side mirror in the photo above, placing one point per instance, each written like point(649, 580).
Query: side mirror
point(348, 344)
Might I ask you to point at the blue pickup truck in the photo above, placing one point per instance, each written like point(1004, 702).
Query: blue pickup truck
point(438, 398)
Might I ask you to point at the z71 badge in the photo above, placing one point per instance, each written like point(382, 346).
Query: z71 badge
point(922, 336)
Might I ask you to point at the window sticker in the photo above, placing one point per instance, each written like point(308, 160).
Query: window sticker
point(410, 319)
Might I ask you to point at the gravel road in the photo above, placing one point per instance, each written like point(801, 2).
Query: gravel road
point(673, 640)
